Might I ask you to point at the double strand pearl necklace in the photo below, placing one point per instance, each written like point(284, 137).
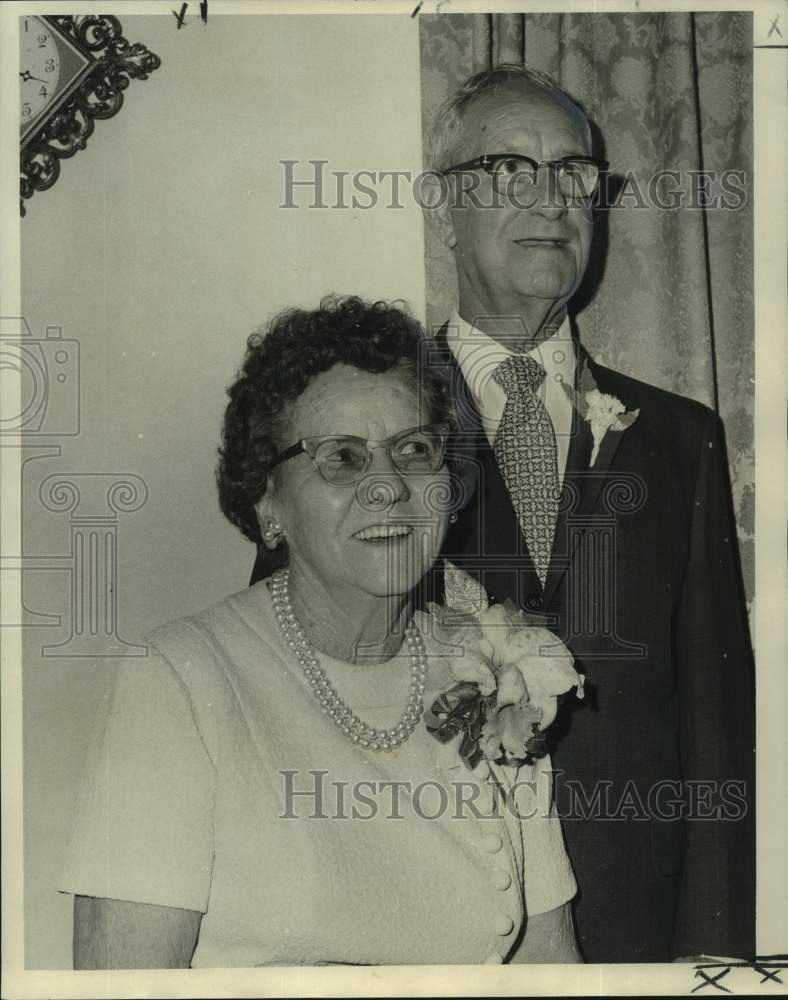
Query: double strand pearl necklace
point(333, 706)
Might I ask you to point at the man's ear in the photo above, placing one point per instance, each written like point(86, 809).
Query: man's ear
point(435, 194)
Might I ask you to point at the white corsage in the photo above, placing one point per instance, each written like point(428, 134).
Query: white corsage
point(508, 676)
point(602, 411)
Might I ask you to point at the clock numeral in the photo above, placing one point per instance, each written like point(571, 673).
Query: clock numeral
point(26, 112)
point(26, 24)
point(42, 40)
point(43, 92)
point(49, 66)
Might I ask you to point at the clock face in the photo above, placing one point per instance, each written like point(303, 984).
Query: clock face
point(73, 69)
point(39, 70)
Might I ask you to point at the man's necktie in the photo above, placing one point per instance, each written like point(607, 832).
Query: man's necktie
point(527, 456)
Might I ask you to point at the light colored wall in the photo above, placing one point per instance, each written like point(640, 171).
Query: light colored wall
point(159, 249)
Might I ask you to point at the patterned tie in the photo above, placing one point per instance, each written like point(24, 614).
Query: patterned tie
point(527, 456)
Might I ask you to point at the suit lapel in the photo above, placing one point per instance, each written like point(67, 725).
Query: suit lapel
point(582, 483)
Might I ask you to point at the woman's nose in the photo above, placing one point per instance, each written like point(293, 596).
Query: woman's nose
point(382, 486)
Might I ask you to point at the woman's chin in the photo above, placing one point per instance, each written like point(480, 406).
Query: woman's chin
point(390, 580)
point(385, 586)
point(386, 571)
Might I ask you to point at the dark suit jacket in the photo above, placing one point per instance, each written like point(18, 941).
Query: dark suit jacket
point(644, 588)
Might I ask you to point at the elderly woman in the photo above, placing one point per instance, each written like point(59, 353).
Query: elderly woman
point(262, 789)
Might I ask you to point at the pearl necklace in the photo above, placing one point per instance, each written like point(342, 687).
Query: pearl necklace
point(333, 706)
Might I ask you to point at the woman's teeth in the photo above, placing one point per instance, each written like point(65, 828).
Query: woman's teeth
point(383, 531)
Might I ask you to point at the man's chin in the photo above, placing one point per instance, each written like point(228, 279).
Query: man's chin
point(544, 284)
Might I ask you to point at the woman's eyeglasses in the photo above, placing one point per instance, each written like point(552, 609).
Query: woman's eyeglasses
point(343, 460)
point(514, 174)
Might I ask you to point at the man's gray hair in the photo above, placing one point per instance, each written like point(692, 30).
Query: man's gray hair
point(446, 126)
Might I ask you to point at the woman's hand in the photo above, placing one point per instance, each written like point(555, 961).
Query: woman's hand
point(117, 934)
point(549, 939)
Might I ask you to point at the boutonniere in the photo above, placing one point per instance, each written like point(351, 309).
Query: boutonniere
point(508, 676)
point(603, 411)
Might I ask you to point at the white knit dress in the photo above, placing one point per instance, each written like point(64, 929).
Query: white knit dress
point(190, 799)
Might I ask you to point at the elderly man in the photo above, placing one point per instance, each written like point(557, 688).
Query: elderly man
point(602, 507)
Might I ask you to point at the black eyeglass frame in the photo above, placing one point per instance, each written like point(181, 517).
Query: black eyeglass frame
point(309, 444)
point(486, 162)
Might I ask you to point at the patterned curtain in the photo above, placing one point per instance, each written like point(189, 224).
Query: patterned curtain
point(668, 297)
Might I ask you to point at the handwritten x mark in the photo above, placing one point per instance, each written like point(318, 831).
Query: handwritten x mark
point(711, 980)
point(766, 974)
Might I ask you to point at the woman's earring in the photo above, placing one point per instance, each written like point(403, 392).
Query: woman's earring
point(453, 518)
point(273, 534)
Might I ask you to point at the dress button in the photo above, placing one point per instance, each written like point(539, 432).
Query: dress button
point(533, 602)
point(501, 879)
point(503, 924)
point(493, 959)
point(492, 842)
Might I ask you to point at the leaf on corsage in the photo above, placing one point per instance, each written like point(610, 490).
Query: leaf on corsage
point(626, 420)
point(462, 592)
point(586, 382)
point(460, 712)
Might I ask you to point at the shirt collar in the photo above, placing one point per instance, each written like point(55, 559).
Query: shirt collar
point(478, 354)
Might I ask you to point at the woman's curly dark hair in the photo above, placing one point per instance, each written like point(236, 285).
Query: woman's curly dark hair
point(281, 360)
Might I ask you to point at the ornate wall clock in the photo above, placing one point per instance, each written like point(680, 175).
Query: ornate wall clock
point(73, 70)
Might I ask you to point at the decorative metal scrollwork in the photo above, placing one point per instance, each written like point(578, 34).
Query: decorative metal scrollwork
point(98, 95)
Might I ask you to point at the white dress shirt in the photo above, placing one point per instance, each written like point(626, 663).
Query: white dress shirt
point(478, 355)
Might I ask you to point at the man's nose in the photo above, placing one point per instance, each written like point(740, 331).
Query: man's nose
point(548, 200)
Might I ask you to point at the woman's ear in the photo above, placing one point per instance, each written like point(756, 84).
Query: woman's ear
point(271, 529)
point(435, 194)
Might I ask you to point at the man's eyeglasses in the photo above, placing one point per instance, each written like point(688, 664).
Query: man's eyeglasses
point(343, 460)
point(514, 174)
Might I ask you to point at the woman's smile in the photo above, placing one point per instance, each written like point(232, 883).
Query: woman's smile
point(383, 533)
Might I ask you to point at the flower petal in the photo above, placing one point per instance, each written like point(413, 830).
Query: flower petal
point(553, 674)
point(512, 688)
point(473, 668)
point(507, 731)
